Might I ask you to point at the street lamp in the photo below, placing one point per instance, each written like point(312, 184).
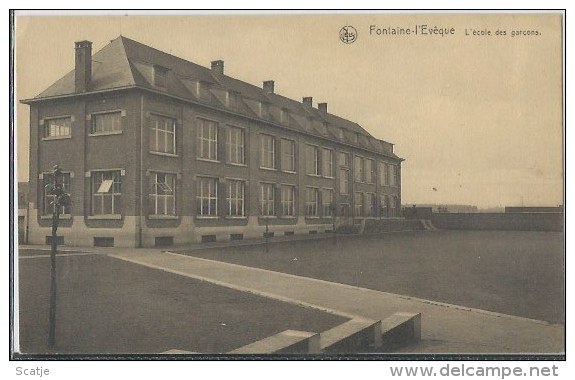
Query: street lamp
point(60, 199)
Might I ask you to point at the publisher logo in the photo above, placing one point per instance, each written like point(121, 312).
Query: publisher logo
point(348, 34)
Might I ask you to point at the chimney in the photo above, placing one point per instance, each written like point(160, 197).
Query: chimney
point(269, 86)
point(307, 101)
point(83, 66)
point(322, 107)
point(218, 68)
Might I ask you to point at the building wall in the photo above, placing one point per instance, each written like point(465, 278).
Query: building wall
point(128, 151)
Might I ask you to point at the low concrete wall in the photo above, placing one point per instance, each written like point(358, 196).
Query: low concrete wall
point(389, 225)
point(286, 342)
point(540, 221)
point(356, 335)
point(400, 329)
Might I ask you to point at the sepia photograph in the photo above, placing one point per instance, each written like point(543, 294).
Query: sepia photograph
point(320, 185)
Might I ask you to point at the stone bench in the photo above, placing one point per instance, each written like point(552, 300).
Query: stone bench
point(286, 342)
point(355, 335)
point(400, 329)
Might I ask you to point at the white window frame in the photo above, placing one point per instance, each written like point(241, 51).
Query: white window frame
point(160, 196)
point(288, 157)
point(312, 158)
point(112, 192)
point(48, 198)
point(344, 179)
point(288, 200)
point(47, 134)
point(207, 133)
point(236, 145)
point(327, 165)
point(267, 199)
point(116, 127)
point(368, 170)
point(327, 207)
point(395, 175)
point(359, 204)
point(236, 199)
point(169, 135)
point(202, 197)
point(370, 205)
point(311, 202)
point(267, 152)
point(358, 174)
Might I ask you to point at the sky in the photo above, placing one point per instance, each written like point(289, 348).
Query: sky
point(477, 118)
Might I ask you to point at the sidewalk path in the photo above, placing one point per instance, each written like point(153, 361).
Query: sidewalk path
point(445, 328)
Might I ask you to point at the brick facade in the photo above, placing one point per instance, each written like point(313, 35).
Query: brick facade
point(127, 150)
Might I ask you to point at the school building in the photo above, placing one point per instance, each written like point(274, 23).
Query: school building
point(157, 150)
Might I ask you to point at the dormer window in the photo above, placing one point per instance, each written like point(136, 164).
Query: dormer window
point(341, 133)
point(284, 116)
point(233, 100)
point(264, 110)
point(203, 90)
point(160, 76)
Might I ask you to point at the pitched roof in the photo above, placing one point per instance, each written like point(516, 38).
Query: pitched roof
point(128, 63)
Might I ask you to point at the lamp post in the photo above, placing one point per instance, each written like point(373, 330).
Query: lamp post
point(60, 199)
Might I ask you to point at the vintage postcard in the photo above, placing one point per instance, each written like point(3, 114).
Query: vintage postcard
point(365, 184)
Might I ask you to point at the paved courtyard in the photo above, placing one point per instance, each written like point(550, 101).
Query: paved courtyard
point(110, 306)
point(511, 272)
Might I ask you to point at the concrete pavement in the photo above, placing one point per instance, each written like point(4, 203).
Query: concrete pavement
point(445, 328)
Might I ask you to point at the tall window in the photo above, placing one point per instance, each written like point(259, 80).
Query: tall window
point(267, 151)
point(368, 170)
point(162, 134)
point(288, 200)
point(207, 139)
point(382, 174)
point(311, 201)
point(344, 181)
point(312, 159)
point(358, 168)
point(236, 145)
point(392, 205)
point(387, 176)
point(327, 163)
point(327, 202)
point(395, 175)
point(267, 199)
point(162, 195)
point(236, 198)
point(370, 205)
point(58, 127)
point(358, 204)
point(343, 159)
point(384, 205)
point(106, 122)
point(207, 196)
point(106, 192)
point(49, 198)
point(288, 155)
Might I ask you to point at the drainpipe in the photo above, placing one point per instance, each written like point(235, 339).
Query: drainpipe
point(141, 213)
